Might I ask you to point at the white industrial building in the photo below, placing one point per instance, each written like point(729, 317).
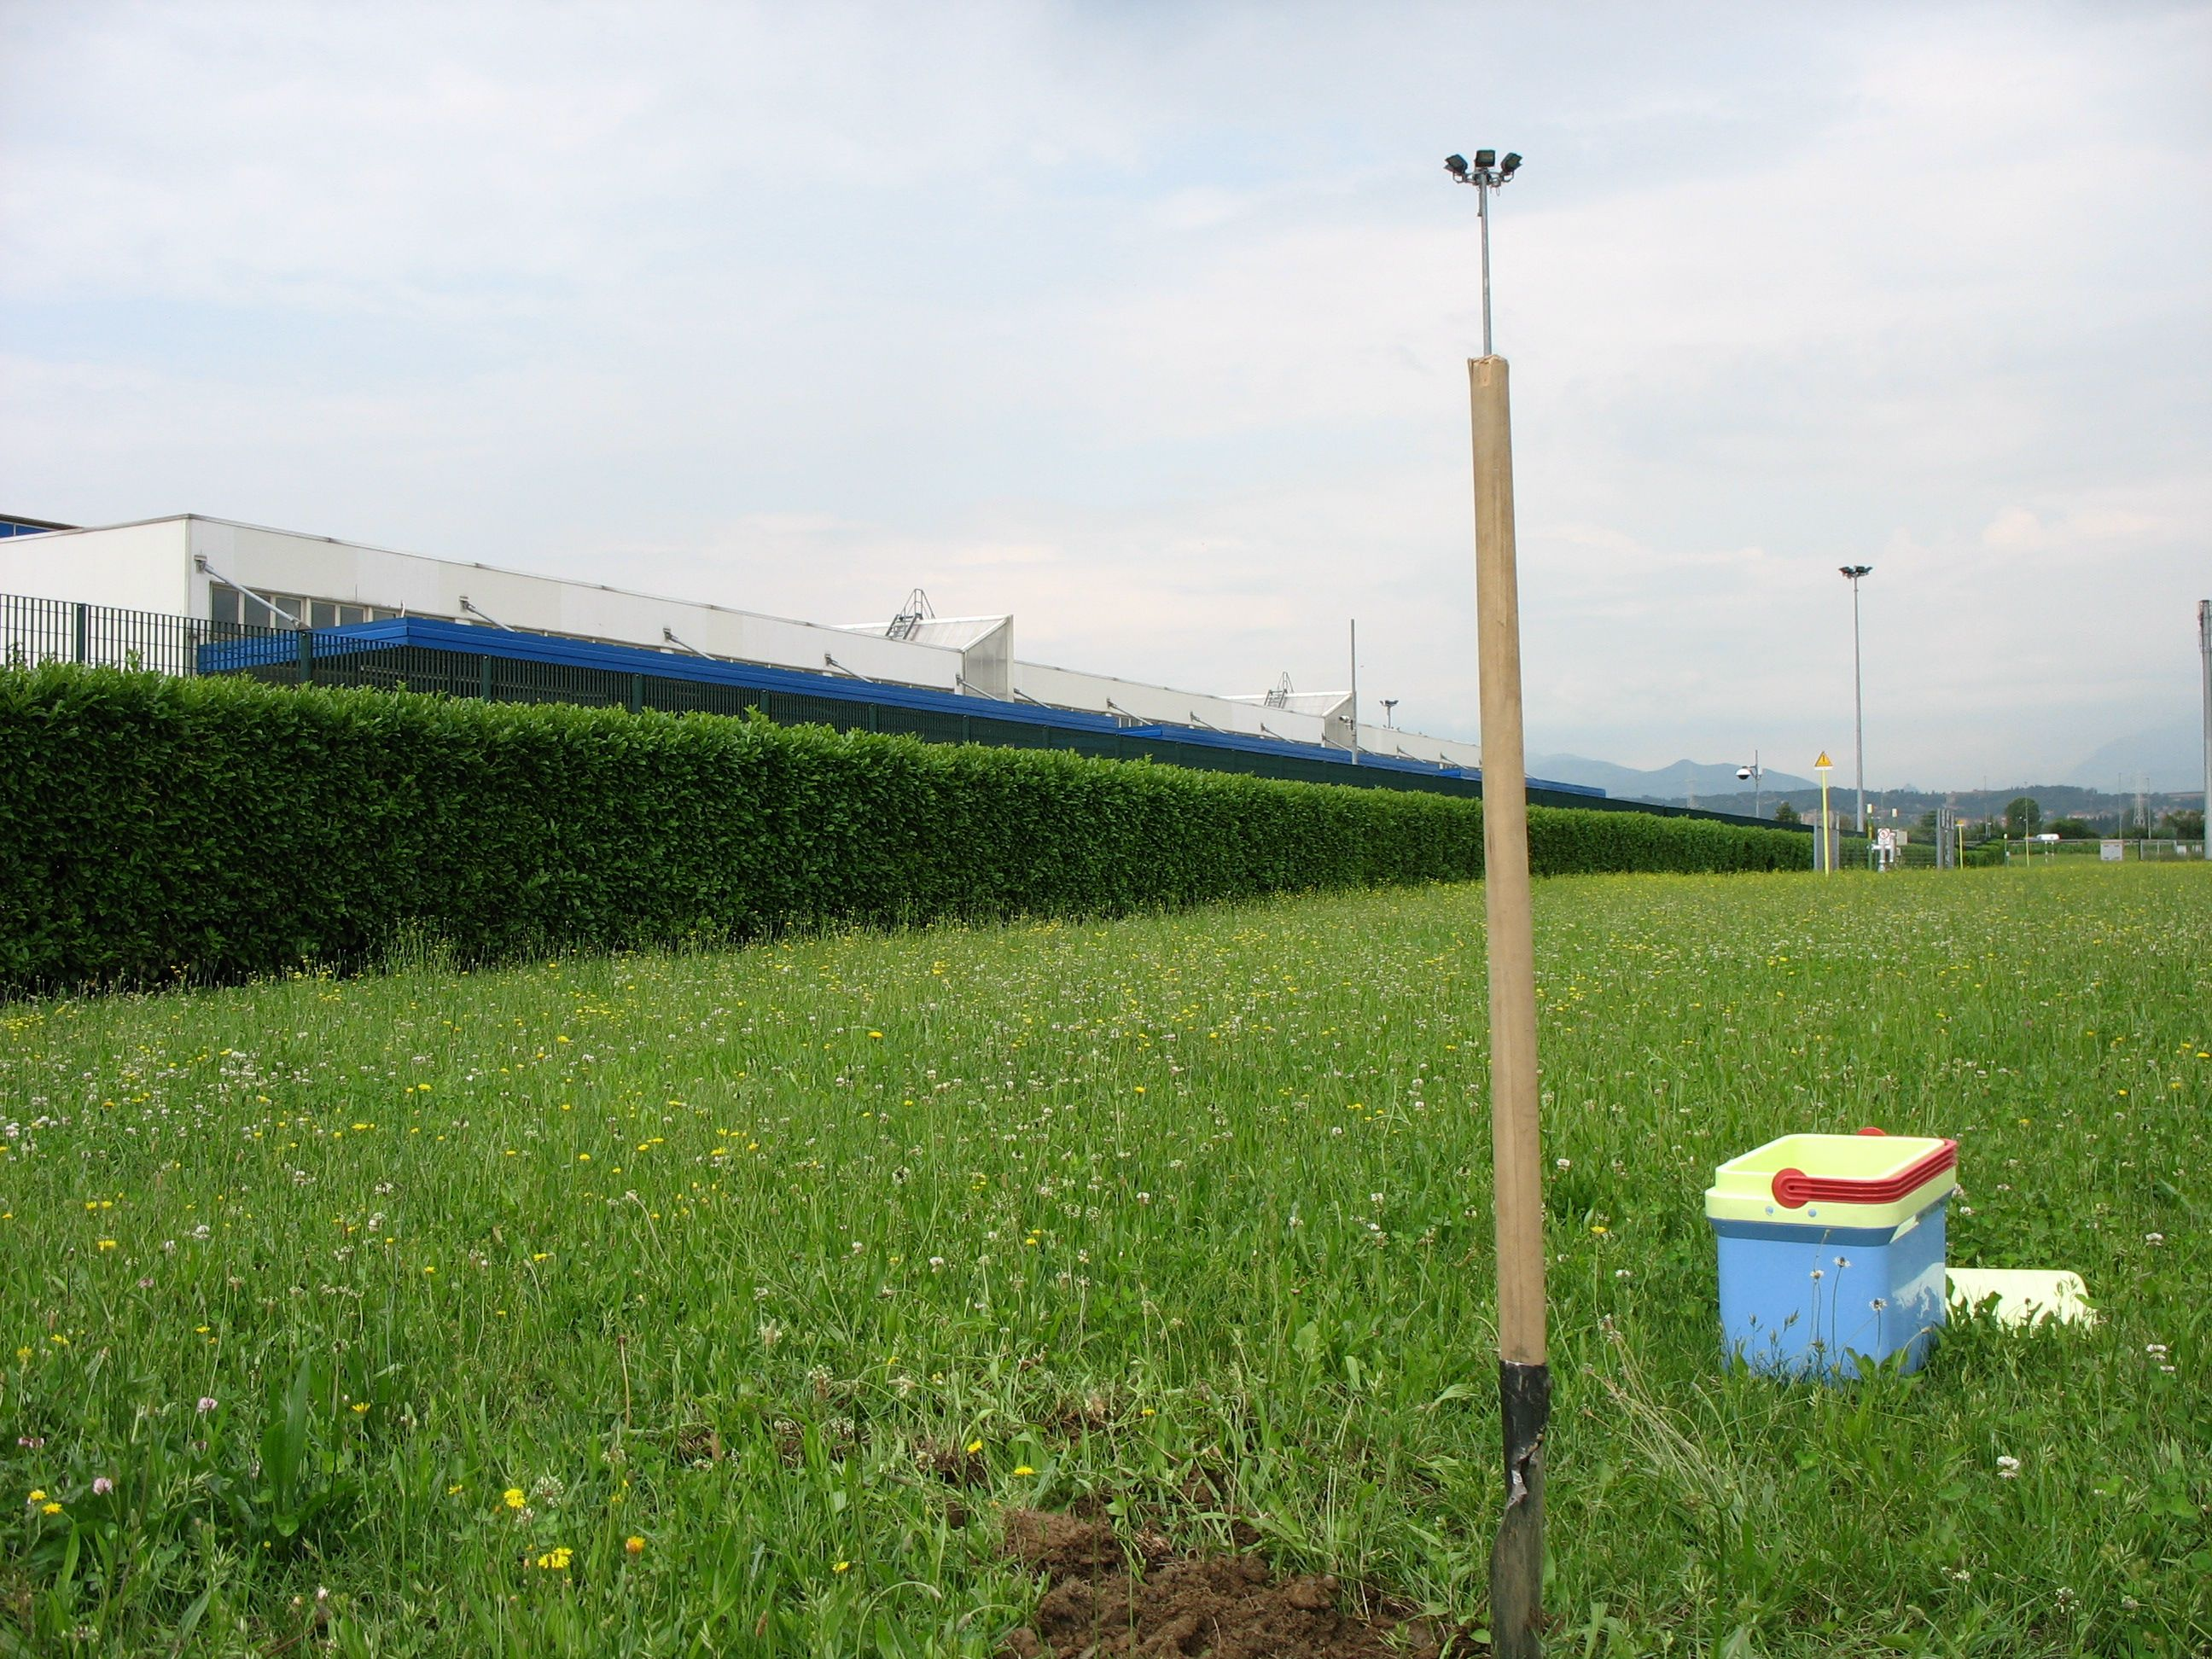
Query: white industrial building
point(220, 570)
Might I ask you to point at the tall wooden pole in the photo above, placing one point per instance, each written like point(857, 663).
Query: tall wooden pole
point(1516, 1563)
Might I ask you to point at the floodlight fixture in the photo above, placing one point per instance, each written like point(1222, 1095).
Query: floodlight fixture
point(1485, 175)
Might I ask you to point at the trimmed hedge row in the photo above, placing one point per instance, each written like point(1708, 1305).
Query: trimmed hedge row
point(153, 827)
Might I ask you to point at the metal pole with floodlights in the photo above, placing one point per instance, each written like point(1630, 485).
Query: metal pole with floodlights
point(1487, 174)
point(1524, 1377)
point(1858, 684)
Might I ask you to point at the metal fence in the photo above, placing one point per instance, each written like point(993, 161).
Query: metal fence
point(58, 630)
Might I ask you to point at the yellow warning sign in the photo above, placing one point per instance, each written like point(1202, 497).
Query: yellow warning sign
point(1823, 763)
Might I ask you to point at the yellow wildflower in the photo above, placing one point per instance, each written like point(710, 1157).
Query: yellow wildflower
point(633, 1545)
point(555, 1560)
point(512, 1498)
point(1024, 1468)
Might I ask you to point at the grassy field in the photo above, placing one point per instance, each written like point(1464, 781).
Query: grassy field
point(722, 1303)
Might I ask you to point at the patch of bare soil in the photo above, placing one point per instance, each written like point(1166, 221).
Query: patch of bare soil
point(1221, 1606)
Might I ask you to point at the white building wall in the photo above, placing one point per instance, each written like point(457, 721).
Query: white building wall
point(137, 567)
point(279, 562)
point(1102, 694)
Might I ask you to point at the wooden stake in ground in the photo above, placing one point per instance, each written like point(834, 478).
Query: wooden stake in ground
point(1516, 1562)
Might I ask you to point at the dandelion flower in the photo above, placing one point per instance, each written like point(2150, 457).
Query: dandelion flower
point(633, 1545)
point(49, 1508)
point(975, 1446)
point(555, 1560)
point(1024, 1468)
point(512, 1498)
point(842, 1566)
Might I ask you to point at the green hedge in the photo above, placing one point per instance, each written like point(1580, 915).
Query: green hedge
point(158, 827)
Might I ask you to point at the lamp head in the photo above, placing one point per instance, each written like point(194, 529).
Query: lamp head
point(1486, 158)
point(1742, 772)
point(1511, 164)
point(1456, 166)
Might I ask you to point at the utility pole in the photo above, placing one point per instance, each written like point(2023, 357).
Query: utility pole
point(1858, 685)
point(1524, 1376)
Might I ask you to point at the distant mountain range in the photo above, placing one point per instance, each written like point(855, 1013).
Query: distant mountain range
point(2165, 759)
point(1683, 779)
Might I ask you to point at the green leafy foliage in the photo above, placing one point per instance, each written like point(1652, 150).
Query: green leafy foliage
point(291, 1493)
point(209, 829)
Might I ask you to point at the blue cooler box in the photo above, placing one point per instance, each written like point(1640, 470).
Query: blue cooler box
point(1832, 1249)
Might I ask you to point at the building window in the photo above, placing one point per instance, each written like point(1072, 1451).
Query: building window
point(227, 603)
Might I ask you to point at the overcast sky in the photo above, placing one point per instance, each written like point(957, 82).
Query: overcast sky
point(1148, 322)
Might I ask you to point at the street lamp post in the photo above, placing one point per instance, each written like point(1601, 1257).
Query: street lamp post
point(1389, 713)
point(1853, 572)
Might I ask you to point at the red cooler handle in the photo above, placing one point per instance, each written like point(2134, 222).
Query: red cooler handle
point(1794, 1189)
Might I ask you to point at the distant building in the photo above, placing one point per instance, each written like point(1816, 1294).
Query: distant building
point(218, 570)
